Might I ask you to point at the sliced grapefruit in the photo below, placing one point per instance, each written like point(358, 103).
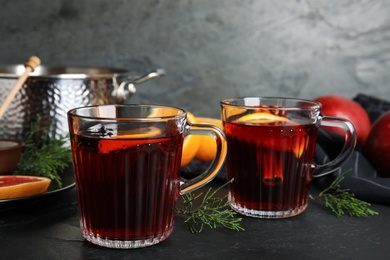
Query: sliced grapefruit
point(17, 186)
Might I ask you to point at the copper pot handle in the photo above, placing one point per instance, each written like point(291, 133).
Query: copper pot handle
point(127, 88)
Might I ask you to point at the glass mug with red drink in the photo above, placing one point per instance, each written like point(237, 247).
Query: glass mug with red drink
point(271, 145)
point(127, 170)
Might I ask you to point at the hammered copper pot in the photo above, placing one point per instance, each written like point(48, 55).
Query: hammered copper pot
point(50, 92)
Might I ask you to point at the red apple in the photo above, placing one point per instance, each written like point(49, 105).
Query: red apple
point(338, 106)
point(377, 146)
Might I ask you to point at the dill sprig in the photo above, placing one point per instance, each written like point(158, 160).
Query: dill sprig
point(44, 155)
point(341, 200)
point(212, 211)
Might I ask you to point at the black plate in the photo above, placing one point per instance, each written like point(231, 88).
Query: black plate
point(67, 183)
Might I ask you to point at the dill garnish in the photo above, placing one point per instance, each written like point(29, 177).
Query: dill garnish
point(212, 211)
point(44, 155)
point(341, 200)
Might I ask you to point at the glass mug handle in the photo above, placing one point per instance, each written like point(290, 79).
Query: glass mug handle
point(208, 175)
point(346, 151)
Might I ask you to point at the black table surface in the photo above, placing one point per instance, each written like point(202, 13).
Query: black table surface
point(49, 229)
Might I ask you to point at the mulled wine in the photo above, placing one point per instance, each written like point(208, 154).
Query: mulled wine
point(270, 164)
point(127, 188)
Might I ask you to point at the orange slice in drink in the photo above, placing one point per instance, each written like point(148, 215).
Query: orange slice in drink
point(139, 133)
point(264, 118)
point(128, 138)
point(17, 186)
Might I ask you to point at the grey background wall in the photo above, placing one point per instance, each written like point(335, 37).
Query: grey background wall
point(211, 49)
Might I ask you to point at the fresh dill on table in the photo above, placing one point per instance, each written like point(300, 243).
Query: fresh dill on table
point(340, 201)
point(44, 155)
point(212, 211)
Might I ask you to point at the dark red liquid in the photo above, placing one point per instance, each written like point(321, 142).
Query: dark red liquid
point(269, 164)
point(127, 188)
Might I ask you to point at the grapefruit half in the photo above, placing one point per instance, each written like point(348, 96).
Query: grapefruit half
point(17, 186)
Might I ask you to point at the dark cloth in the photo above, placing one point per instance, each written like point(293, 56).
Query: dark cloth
point(375, 107)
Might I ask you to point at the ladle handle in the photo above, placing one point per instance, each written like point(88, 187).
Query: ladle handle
point(30, 66)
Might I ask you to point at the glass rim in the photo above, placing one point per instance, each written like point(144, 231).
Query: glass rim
point(181, 112)
point(310, 104)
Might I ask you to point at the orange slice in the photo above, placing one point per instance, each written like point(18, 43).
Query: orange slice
point(139, 133)
point(190, 144)
point(164, 112)
point(128, 139)
point(262, 118)
point(17, 186)
point(207, 147)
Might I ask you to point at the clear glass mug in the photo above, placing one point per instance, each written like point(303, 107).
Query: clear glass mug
point(127, 170)
point(271, 145)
